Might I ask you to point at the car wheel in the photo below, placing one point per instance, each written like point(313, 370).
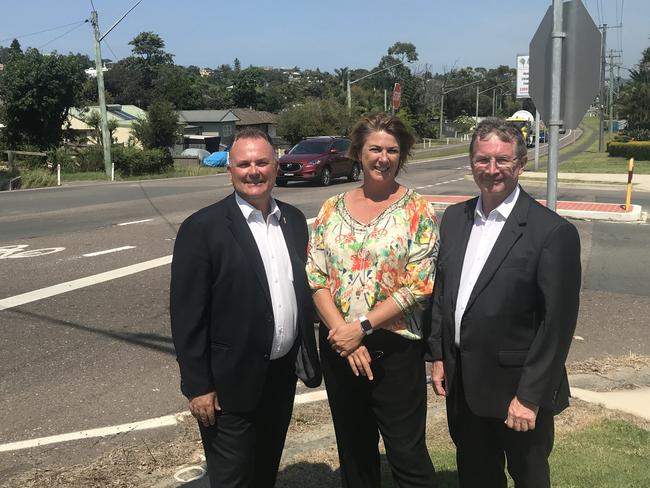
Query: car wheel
point(280, 182)
point(355, 173)
point(326, 176)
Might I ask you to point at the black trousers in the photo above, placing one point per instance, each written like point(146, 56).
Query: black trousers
point(484, 444)
point(243, 449)
point(393, 404)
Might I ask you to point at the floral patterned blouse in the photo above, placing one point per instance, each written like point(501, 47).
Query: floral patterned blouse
point(363, 264)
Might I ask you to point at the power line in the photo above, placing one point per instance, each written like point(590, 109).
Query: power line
point(62, 35)
point(42, 31)
point(111, 50)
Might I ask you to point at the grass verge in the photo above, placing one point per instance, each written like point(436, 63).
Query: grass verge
point(592, 161)
point(439, 153)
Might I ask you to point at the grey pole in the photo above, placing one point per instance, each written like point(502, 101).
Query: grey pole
point(477, 104)
point(610, 99)
point(536, 139)
point(349, 95)
point(442, 105)
point(106, 136)
point(554, 120)
point(601, 96)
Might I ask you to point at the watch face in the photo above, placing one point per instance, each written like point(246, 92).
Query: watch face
point(367, 328)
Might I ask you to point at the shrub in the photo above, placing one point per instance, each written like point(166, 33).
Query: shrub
point(131, 161)
point(88, 159)
point(637, 134)
point(37, 178)
point(639, 150)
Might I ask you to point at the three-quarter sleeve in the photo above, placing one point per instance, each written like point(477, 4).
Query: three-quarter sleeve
point(418, 276)
point(316, 268)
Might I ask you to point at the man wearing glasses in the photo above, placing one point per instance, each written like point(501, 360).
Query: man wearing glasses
point(505, 306)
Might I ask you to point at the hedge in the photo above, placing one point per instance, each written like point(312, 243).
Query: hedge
point(131, 161)
point(639, 150)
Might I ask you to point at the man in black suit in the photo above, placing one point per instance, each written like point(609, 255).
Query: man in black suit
point(242, 319)
point(505, 306)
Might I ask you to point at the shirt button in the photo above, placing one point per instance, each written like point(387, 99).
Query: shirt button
point(267, 357)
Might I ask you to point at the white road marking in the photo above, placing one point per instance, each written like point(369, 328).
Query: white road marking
point(50, 291)
point(107, 251)
point(135, 222)
point(166, 421)
point(155, 423)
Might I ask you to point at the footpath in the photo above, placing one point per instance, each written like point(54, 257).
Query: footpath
point(579, 210)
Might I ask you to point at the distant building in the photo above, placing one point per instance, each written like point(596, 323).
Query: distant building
point(125, 115)
point(209, 122)
point(265, 121)
point(205, 72)
point(92, 72)
point(2, 67)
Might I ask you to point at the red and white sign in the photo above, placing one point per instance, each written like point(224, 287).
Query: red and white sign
point(397, 95)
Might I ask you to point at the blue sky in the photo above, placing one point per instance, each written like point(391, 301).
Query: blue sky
point(308, 34)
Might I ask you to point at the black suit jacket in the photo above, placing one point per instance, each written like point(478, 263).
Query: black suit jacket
point(521, 315)
point(220, 305)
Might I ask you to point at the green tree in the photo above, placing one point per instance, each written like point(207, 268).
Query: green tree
point(150, 47)
point(94, 120)
point(159, 129)
point(245, 89)
point(634, 100)
point(314, 117)
point(38, 92)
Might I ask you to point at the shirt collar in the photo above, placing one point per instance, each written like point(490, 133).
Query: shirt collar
point(504, 209)
point(247, 209)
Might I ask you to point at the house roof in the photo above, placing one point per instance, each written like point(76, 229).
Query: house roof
point(249, 116)
point(198, 116)
point(125, 115)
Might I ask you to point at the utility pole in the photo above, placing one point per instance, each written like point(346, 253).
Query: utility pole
point(106, 135)
point(610, 86)
point(601, 96)
point(349, 95)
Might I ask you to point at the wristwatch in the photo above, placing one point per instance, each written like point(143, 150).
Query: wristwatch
point(366, 327)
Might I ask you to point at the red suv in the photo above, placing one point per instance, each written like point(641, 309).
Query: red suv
point(318, 159)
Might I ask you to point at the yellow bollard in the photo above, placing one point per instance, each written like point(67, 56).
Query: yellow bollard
point(628, 196)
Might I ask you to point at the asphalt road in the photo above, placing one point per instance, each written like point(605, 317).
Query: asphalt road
point(102, 355)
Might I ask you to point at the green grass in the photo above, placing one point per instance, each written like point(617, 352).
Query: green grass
point(439, 153)
point(590, 160)
point(172, 173)
point(606, 454)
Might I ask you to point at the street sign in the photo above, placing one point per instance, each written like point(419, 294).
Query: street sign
point(580, 64)
point(397, 96)
point(522, 76)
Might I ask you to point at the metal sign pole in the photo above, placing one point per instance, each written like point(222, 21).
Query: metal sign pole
point(555, 122)
point(537, 139)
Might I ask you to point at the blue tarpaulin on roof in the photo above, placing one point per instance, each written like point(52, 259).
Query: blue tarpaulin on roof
point(216, 159)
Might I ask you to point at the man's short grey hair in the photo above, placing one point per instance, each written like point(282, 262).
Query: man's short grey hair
point(252, 133)
point(506, 131)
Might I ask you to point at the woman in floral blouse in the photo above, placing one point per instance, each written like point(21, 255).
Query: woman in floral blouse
point(371, 263)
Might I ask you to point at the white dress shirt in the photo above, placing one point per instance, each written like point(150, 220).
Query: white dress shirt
point(485, 232)
point(279, 273)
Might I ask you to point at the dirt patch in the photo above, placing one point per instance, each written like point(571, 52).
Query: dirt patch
point(609, 364)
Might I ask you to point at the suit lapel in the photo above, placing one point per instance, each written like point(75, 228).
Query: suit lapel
point(457, 258)
point(244, 237)
point(511, 232)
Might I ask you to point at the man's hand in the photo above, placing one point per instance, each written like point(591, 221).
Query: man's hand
point(345, 338)
point(360, 361)
point(521, 415)
point(203, 408)
point(438, 378)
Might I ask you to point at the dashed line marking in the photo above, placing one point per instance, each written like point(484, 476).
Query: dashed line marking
point(135, 222)
point(107, 251)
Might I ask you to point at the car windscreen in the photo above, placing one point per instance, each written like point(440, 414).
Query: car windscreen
point(310, 147)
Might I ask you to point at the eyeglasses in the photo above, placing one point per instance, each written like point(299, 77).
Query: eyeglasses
point(499, 161)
